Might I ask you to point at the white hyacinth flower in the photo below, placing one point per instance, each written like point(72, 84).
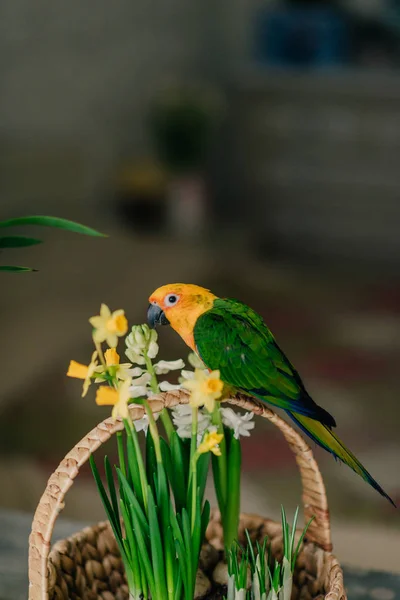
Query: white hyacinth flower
point(166, 386)
point(143, 423)
point(182, 418)
point(153, 349)
point(165, 366)
point(185, 375)
point(241, 424)
point(141, 340)
point(139, 386)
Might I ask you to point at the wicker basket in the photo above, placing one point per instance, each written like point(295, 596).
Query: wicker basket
point(87, 566)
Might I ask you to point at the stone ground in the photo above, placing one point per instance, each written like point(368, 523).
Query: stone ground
point(340, 328)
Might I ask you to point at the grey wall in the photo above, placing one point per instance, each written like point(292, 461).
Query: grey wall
point(75, 79)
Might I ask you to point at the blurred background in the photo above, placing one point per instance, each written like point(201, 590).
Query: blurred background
point(251, 147)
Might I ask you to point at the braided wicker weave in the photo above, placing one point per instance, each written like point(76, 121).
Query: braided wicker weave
point(87, 566)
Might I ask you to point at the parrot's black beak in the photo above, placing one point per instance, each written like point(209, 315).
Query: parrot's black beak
point(156, 316)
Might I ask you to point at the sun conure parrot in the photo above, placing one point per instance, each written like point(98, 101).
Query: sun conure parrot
point(229, 336)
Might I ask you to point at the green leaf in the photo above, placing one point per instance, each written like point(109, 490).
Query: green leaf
point(151, 462)
point(296, 553)
point(133, 501)
point(108, 508)
point(143, 553)
point(130, 545)
point(14, 269)
point(178, 474)
point(203, 465)
point(54, 222)
point(157, 554)
point(17, 241)
point(232, 507)
point(113, 494)
point(136, 469)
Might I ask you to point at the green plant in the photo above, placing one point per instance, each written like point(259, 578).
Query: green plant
point(22, 241)
point(158, 497)
point(182, 122)
point(270, 579)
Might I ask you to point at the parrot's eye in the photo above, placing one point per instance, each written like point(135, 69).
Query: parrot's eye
point(171, 299)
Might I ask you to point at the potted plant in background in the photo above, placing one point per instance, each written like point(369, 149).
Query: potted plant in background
point(182, 122)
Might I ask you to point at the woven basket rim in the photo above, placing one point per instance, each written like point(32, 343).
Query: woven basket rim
point(52, 501)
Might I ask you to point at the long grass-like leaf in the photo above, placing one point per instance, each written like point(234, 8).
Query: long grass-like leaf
point(130, 544)
point(205, 518)
point(133, 501)
point(112, 492)
point(136, 468)
point(18, 241)
point(157, 553)
point(144, 554)
point(299, 543)
point(179, 471)
point(57, 222)
point(15, 269)
point(108, 508)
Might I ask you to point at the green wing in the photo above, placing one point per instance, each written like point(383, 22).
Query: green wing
point(233, 338)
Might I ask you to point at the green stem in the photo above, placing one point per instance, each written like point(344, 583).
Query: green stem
point(121, 453)
point(193, 441)
point(193, 463)
point(155, 388)
point(100, 354)
point(193, 473)
point(220, 469)
point(232, 505)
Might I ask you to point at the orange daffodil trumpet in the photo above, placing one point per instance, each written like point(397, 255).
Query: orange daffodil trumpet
point(114, 368)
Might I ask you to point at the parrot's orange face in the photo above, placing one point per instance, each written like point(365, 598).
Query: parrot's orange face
point(179, 305)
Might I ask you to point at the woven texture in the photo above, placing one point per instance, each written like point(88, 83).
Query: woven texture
point(88, 566)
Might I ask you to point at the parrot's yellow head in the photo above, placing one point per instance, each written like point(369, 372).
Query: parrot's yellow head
point(179, 305)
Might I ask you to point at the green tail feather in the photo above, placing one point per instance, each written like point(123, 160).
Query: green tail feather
point(328, 440)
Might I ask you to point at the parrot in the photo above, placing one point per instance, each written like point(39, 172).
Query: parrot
point(229, 336)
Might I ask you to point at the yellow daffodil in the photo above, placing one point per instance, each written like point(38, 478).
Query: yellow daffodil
point(114, 368)
point(108, 326)
point(80, 371)
point(211, 443)
point(204, 388)
point(108, 396)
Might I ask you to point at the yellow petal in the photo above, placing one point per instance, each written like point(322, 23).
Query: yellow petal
point(210, 443)
point(190, 384)
point(105, 312)
point(96, 322)
point(106, 396)
point(111, 339)
point(77, 370)
point(112, 357)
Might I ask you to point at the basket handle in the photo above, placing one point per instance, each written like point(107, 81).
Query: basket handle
point(52, 502)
